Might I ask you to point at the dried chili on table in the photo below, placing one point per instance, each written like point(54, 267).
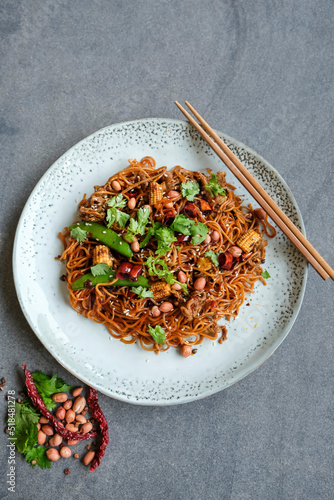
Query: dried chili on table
point(101, 419)
point(40, 405)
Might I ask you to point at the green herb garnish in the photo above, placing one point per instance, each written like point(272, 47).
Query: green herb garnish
point(164, 237)
point(265, 275)
point(79, 234)
point(199, 232)
point(142, 292)
point(158, 334)
point(47, 386)
point(181, 224)
point(190, 189)
point(100, 269)
point(213, 256)
point(214, 187)
point(115, 215)
point(138, 226)
point(158, 267)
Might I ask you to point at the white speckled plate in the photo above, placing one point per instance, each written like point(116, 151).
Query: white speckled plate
point(127, 372)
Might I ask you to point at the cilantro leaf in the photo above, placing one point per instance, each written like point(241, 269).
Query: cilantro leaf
point(190, 189)
point(158, 334)
point(141, 292)
point(79, 234)
point(182, 224)
point(265, 275)
point(158, 267)
point(48, 386)
point(199, 232)
point(24, 433)
point(138, 226)
point(214, 187)
point(164, 237)
point(114, 215)
point(213, 256)
point(38, 453)
point(100, 269)
point(117, 201)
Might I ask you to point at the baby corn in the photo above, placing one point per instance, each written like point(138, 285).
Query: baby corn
point(247, 241)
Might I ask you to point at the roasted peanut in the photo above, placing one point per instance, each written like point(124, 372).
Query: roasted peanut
point(55, 440)
point(155, 311)
point(38, 426)
point(116, 186)
point(68, 404)
point(88, 457)
point(166, 307)
point(132, 203)
point(77, 391)
point(71, 427)
point(61, 397)
point(48, 430)
point(43, 420)
point(149, 207)
point(60, 413)
point(72, 442)
point(186, 350)
point(173, 194)
point(70, 416)
point(65, 452)
point(182, 277)
point(200, 283)
point(214, 236)
point(53, 454)
point(79, 404)
point(207, 239)
point(41, 437)
point(176, 286)
point(81, 419)
point(235, 251)
point(87, 427)
point(135, 245)
point(169, 205)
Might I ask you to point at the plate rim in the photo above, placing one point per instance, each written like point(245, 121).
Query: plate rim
point(119, 397)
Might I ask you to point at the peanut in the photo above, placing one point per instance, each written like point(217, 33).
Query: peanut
point(87, 427)
point(68, 404)
point(132, 203)
point(60, 413)
point(65, 452)
point(88, 457)
point(182, 277)
point(173, 194)
point(61, 397)
point(70, 416)
point(169, 205)
point(207, 239)
point(260, 213)
point(71, 427)
point(55, 440)
point(41, 437)
point(155, 311)
point(53, 454)
point(79, 404)
point(200, 283)
point(149, 207)
point(38, 426)
point(81, 419)
point(77, 391)
point(176, 286)
point(186, 350)
point(235, 251)
point(43, 420)
point(166, 307)
point(135, 246)
point(72, 442)
point(48, 430)
point(214, 236)
point(116, 186)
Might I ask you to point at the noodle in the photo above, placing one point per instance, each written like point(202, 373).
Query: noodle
point(195, 313)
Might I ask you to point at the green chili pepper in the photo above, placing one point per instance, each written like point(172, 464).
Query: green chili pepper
point(79, 284)
point(101, 233)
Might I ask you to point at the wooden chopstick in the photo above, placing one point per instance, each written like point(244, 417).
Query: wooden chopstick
point(259, 194)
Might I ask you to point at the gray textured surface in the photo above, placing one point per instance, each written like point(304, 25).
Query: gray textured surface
point(259, 71)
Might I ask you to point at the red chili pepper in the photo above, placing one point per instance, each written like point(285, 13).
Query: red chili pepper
point(190, 210)
point(182, 238)
point(124, 271)
point(131, 295)
point(101, 419)
point(245, 256)
point(205, 208)
point(135, 272)
point(132, 193)
point(225, 261)
point(40, 405)
point(168, 218)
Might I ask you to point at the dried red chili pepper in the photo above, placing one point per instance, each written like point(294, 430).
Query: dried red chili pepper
point(40, 405)
point(225, 260)
point(205, 208)
point(190, 210)
point(245, 256)
point(132, 193)
point(124, 271)
point(183, 238)
point(101, 419)
point(168, 218)
point(135, 272)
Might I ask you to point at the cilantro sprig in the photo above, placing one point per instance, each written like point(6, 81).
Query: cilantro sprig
point(214, 187)
point(142, 292)
point(47, 386)
point(158, 334)
point(138, 226)
point(213, 256)
point(190, 189)
point(265, 275)
point(79, 234)
point(100, 269)
point(182, 224)
point(158, 267)
point(114, 214)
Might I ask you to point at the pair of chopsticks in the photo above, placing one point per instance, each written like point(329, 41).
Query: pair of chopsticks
point(258, 193)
